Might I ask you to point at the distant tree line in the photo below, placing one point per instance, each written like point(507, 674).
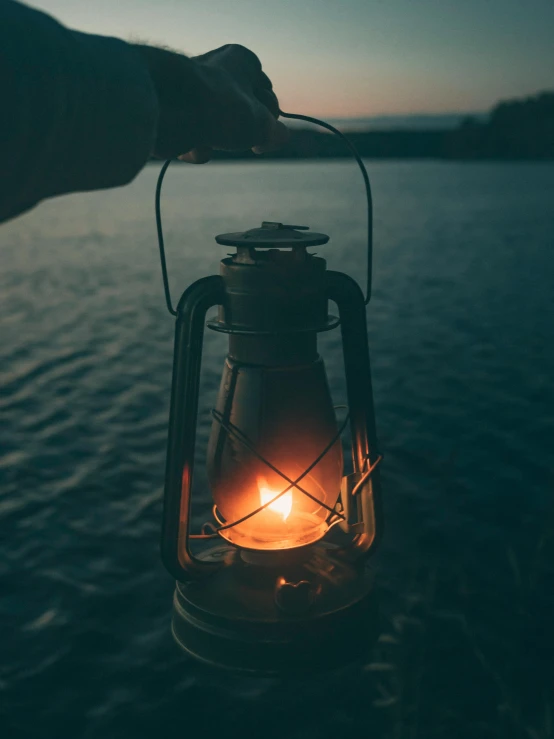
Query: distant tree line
point(515, 129)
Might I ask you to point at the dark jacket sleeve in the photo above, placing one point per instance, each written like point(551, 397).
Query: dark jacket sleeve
point(77, 111)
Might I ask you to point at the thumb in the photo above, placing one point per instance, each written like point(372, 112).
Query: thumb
point(201, 155)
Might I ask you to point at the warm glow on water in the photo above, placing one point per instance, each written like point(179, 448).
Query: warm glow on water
point(282, 505)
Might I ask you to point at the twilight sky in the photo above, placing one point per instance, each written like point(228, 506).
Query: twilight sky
point(341, 58)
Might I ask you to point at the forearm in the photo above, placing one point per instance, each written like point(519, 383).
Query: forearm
point(182, 98)
point(84, 112)
point(79, 112)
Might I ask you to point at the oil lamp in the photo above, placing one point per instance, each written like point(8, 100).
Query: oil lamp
point(279, 582)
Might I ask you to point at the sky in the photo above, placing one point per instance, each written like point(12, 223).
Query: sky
point(353, 58)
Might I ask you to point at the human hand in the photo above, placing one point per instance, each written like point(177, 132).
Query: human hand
point(219, 100)
point(240, 109)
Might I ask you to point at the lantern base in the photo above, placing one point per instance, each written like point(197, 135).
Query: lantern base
point(312, 613)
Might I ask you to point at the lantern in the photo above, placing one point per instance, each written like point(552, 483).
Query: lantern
point(280, 581)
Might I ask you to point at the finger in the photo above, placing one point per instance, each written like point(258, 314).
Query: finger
point(238, 60)
point(268, 98)
point(251, 59)
point(197, 156)
point(276, 137)
point(265, 82)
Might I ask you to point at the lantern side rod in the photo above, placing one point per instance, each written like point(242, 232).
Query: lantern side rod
point(365, 477)
point(161, 237)
point(367, 184)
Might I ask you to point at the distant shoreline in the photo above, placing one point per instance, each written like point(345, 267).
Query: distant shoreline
point(515, 130)
point(385, 145)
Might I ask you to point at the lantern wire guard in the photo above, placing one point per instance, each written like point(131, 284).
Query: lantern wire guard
point(334, 516)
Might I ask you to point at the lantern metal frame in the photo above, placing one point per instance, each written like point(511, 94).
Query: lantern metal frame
point(362, 485)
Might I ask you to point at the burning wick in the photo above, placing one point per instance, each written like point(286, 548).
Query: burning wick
point(282, 505)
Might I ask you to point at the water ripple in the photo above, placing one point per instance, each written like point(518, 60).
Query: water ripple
point(463, 359)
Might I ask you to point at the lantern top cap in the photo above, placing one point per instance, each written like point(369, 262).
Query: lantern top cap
point(272, 235)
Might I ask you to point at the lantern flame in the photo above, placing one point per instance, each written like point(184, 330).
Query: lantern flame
point(282, 505)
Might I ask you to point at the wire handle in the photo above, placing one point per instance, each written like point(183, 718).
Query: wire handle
point(159, 229)
point(369, 199)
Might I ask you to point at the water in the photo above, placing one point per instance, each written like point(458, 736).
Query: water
point(463, 360)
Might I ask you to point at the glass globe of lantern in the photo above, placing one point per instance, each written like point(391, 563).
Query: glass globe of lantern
point(287, 417)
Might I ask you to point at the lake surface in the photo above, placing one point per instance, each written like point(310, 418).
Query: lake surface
point(461, 330)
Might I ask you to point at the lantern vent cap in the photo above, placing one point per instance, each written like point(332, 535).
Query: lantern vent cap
point(272, 235)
